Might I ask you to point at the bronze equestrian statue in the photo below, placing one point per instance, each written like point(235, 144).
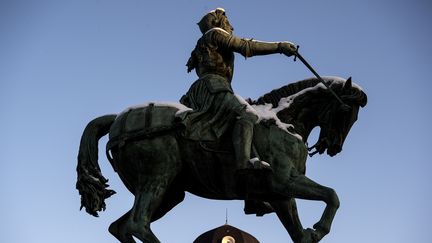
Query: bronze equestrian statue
point(203, 146)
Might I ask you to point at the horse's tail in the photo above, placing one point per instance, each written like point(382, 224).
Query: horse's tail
point(92, 186)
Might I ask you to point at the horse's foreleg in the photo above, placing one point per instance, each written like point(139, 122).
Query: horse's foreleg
point(304, 188)
point(287, 214)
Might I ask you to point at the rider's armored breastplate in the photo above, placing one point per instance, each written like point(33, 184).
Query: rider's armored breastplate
point(213, 59)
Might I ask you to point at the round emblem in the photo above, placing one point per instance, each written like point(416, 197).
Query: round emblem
point(228, 239)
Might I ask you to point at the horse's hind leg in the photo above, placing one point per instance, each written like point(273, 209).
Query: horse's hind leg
point(156, 164)
point(171, 198)
point(147, 200)
point(118, 230)
point(136, 222)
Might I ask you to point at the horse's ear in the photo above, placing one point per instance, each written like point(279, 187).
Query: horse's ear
point(348, 84)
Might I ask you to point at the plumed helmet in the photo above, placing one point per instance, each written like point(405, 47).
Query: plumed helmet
point(212, 20)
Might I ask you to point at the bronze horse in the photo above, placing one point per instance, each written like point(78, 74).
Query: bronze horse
point(157, 164)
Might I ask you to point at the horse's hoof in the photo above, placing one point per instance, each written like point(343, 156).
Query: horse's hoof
point(309, 236)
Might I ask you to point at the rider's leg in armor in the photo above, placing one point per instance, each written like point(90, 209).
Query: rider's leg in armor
point(242, 140)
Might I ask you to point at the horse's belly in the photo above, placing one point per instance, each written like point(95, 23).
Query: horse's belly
point(210, 174)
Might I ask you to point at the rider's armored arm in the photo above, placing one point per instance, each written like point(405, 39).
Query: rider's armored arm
point(246, 47)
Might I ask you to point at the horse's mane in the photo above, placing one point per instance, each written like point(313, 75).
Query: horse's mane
point(274, 96)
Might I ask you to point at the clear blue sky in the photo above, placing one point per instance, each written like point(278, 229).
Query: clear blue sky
point(63, 63)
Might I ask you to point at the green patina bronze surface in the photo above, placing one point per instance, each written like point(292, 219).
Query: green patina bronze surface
point(203, 145)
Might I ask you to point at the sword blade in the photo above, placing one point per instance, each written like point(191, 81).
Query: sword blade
point(319, 78)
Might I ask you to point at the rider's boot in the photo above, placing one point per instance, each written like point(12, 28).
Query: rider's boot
point(242, 141)
point(259, 208)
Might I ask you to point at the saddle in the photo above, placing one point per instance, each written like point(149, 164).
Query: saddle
point(152, 119)
point(145, 121)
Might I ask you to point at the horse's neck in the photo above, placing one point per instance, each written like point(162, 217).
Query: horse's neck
point(303, 118)
point(301, 104)
point(278, 145)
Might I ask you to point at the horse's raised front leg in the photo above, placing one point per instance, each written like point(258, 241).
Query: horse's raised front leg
point(304, 188)
point(287, 214)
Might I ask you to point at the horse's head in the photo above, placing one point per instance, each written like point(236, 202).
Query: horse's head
point(335, 119)
point(307, 104)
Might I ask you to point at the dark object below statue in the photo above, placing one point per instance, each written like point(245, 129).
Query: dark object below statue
point(226, 234)
point(158, 165)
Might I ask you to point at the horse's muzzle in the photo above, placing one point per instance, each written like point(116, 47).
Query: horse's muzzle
point(334, 149)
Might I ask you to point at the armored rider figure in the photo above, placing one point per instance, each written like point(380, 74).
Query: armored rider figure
point(216, 107)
